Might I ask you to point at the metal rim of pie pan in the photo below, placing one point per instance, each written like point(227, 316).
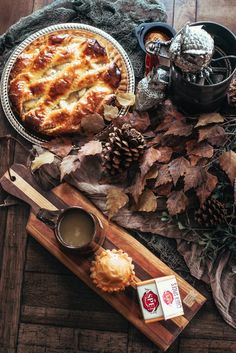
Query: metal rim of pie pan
point(6, 105)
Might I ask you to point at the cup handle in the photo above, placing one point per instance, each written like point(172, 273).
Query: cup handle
point(50, 218)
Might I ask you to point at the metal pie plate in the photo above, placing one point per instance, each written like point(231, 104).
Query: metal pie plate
point(6, 104)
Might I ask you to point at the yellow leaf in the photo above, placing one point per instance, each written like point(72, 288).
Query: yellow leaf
point(110, 112)
point(209, 118)
point(147, 202)
point(126, 99)
point(44, 158)
point(116, 199)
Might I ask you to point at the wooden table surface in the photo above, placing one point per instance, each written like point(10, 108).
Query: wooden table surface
point(46, 309)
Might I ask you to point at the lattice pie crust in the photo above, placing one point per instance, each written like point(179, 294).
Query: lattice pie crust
point(64, 76)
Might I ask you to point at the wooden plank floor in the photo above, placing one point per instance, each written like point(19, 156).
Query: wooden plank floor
point(46, 309)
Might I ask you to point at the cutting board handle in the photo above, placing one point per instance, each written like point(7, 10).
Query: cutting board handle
point(22, 185)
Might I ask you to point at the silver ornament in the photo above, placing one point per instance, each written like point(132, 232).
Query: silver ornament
point(151, 90)
point(192, 49)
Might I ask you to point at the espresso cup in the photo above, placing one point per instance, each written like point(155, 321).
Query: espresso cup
point(74, 228)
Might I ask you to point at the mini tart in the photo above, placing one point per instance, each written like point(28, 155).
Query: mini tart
point(64, 76)
point(112, 270)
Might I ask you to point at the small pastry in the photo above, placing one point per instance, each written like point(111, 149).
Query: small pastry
point(112, 270)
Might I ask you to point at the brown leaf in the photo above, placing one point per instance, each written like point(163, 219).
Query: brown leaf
point(137, 188)
point(92, 123)
point(205, 189)
point(90, 149)
point(179, 128)
point(152, 173)
point(165, 124)
point(177, 202)
point(170, 109)
point(164, 176)
point(61, 146)
point(200, 149)
point(48, 176)
point(228, 163)
point(178, 168)
point(155, 141)
point(164, 190)
point(147, 202)
point(166, 153)
point(193, 177)
point(209, 118)
point(115, 200)
point(194, 160)
point(138, 120)
point(68, 165)
point(203, 149)
point(213, 134)
point(150, 156)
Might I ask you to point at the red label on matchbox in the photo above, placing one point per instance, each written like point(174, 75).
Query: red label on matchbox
point(169, 296)
point(149, 301)
point(159, 299)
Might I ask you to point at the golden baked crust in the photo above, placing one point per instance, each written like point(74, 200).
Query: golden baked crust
point(112, 270)
point(64, 76)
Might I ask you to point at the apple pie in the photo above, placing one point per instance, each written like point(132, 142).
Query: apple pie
point(63, 77)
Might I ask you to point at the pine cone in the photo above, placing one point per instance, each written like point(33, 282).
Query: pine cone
point(125, 146)
point(212, 213)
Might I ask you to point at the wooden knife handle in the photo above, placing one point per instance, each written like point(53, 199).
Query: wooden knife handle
point(23, 186)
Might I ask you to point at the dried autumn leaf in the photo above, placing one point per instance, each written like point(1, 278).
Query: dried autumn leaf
point(110, 112)
point(209, 118)
point(126, 99)
point(44, 158)
point(165, 124)
point(178, 168)
point(155, 141)
point(115, 200)
point(164, 176)
point(177, 202)
point(147, 201)
point(164, 190)
point(205, 189)
point(203, 149)
point(61, 146)
point(170, 109)
point(194, 160)
point(90, 149)
point(150, 156)
point(228, 163)
point(166, 153)
point(138, 120)
point(193, 177)
point(137, 188)
point(179, 128)
point(92, 124)
point(200, 149)
point(152, 173)
point(213, 134)
point(68, 165)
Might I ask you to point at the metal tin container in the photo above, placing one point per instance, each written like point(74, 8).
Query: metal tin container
point(195, 98)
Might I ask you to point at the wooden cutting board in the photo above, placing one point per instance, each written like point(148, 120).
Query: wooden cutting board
point(147, 265)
